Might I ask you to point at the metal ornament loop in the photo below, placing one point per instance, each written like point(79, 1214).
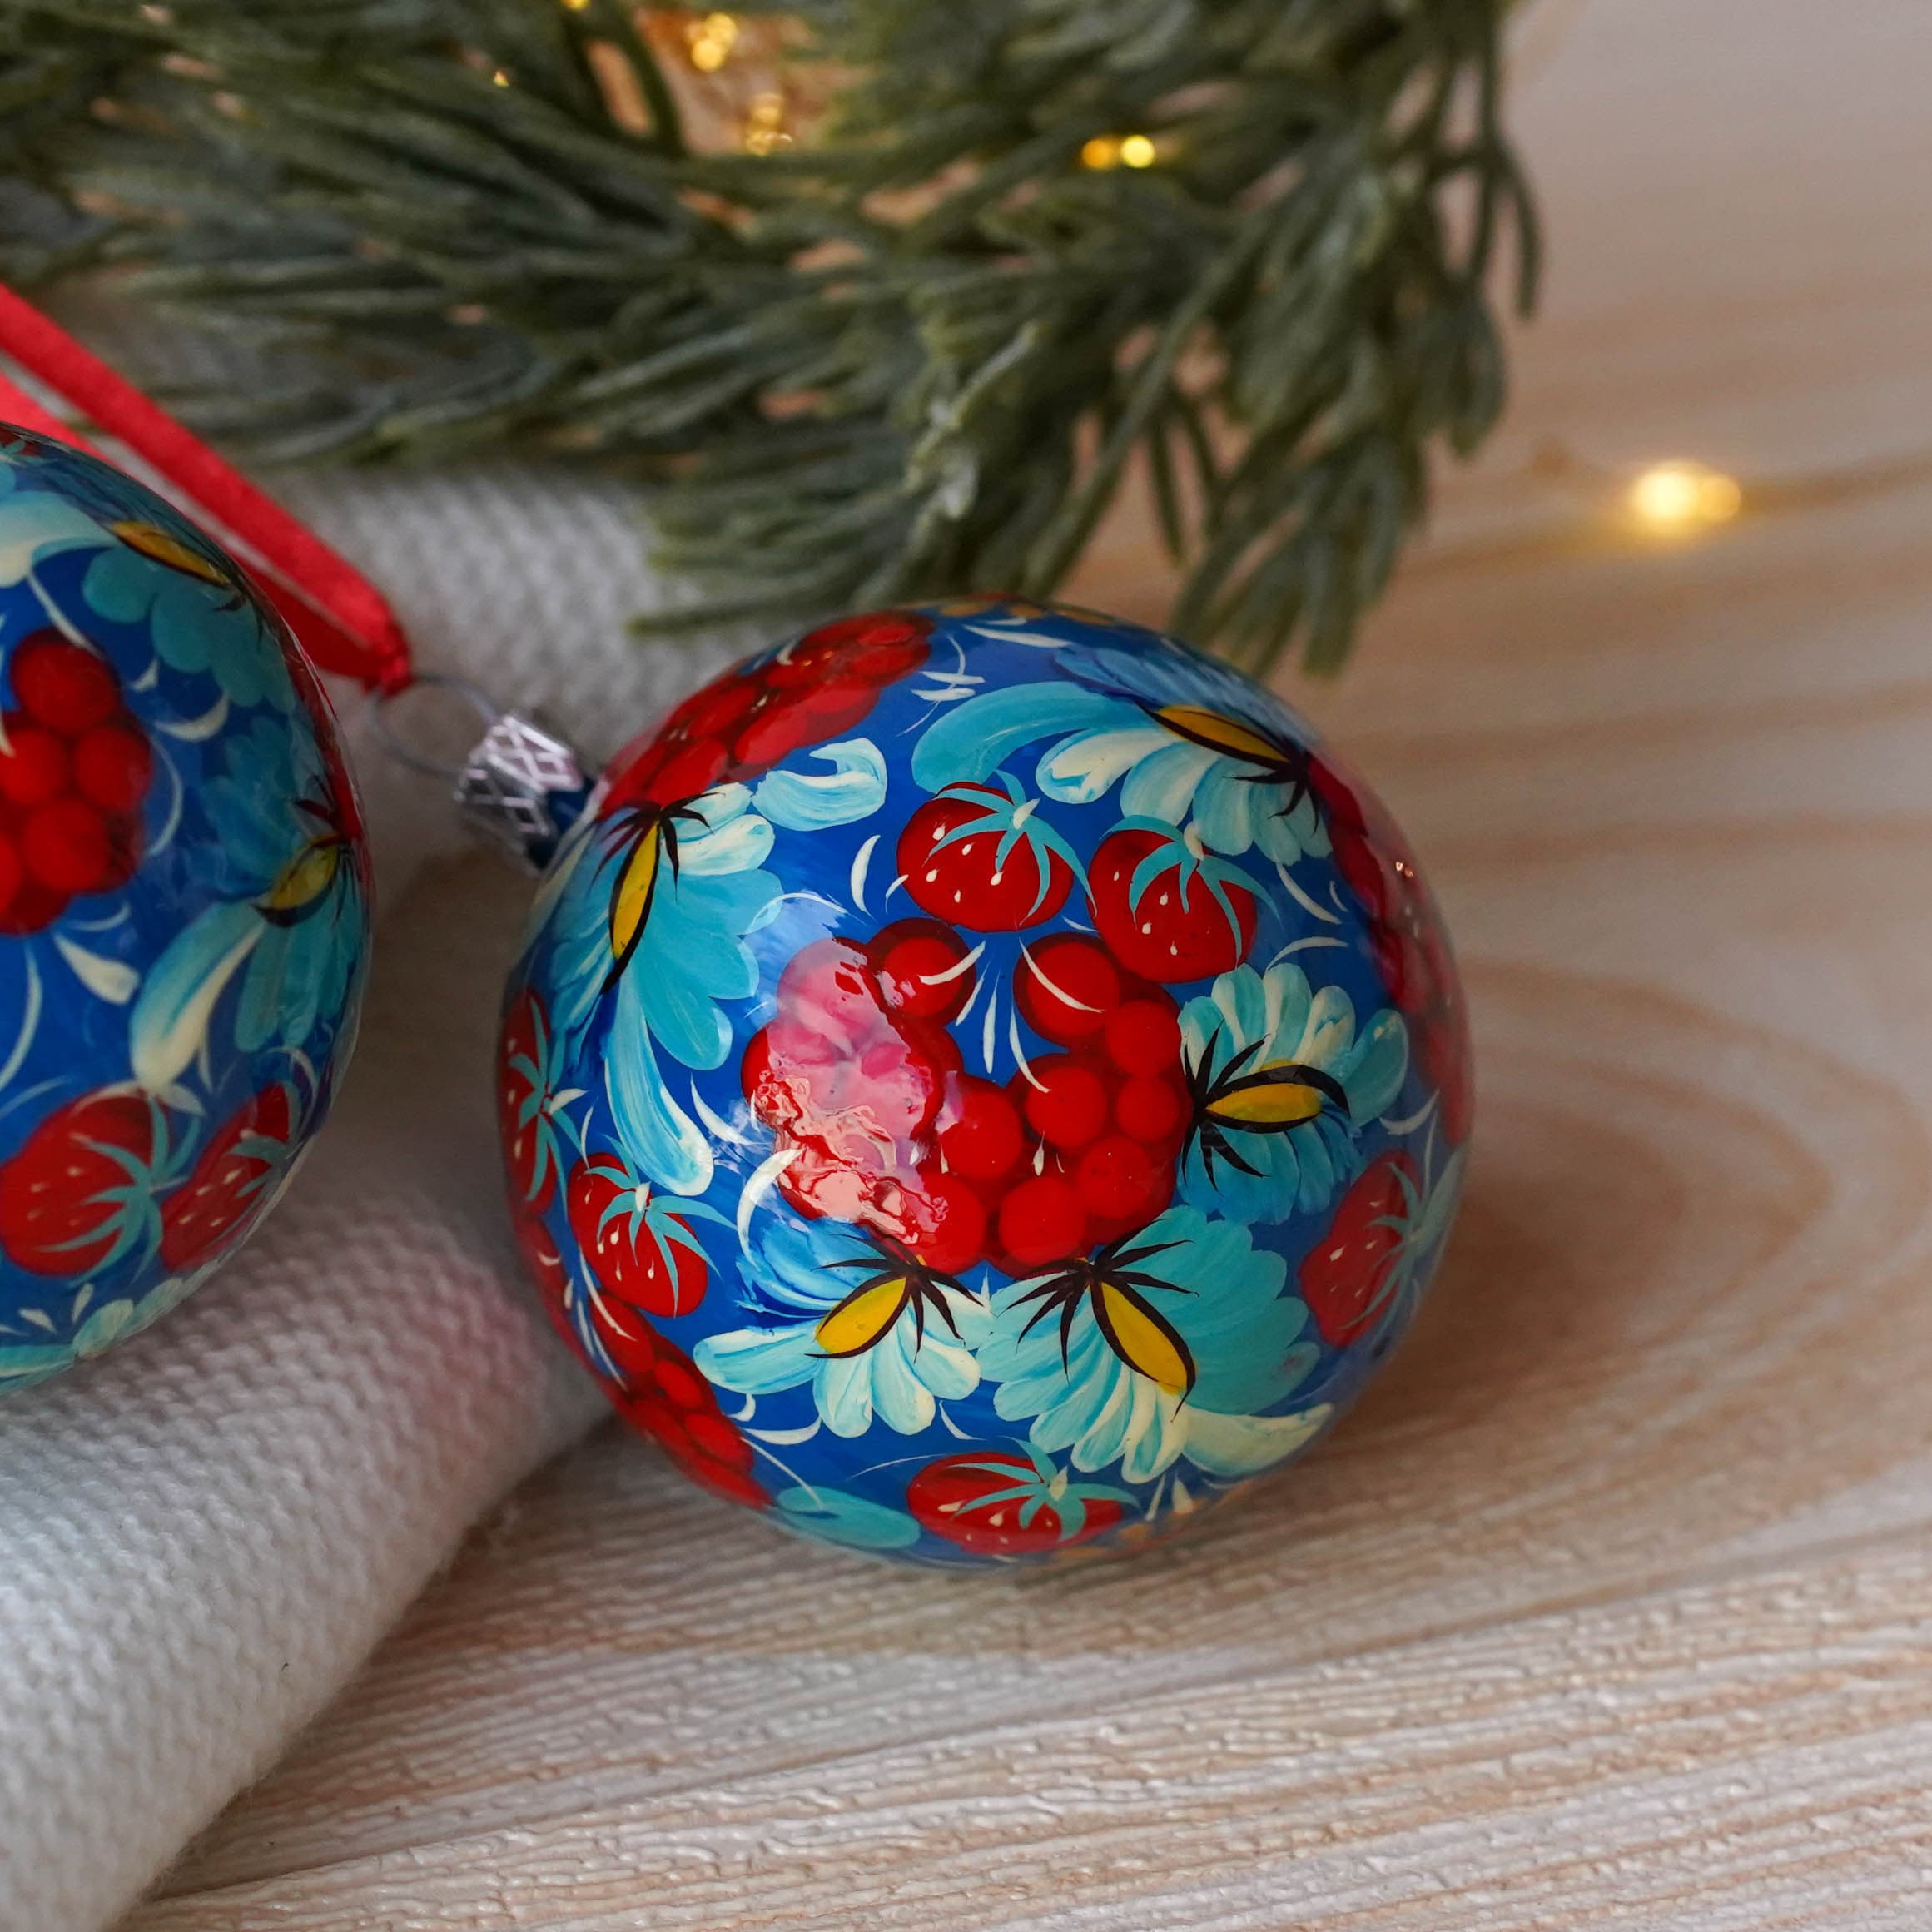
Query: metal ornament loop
point(521, 785)
point(383, 728)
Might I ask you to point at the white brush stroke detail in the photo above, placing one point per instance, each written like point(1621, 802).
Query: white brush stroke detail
point(1038, 639)
point(954, 971)
point(29, 1021)
point(860, 866)
point(715, 1125)
point(1414, 1119)
point(1314, 940)
point(1058, 992)
point(1302, 899)
point(112, 980)
point(764, 1177)
point(195, 730)
point(785, 1438)
point(1026, 1071)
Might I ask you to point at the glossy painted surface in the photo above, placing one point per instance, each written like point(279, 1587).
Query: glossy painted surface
point(183, 907)
point(982, 1084)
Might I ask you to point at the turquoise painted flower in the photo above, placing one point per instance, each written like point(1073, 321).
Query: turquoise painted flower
point(659, 899)
point(150, 564)
point(873, 1332)
point(1170, 1342)
point(200, 618)
point(294, 935)
point(1183, 742)
point(1282, 1085)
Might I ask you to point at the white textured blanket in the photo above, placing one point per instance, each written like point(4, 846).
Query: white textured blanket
point(203, 1533)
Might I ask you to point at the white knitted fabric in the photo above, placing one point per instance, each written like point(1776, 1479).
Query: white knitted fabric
point(203, 1533)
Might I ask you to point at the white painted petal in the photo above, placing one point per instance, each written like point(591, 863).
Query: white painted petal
point(741, 845)
point(1163, 786)
point(1081, 768)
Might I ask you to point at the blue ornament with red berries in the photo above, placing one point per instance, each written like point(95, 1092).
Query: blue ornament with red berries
point(983, 1084)
point(184, 906)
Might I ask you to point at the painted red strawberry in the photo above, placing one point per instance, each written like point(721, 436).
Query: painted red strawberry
point(1346, 1278)
point(82, 1192)
point(1406, 935)
point(674, 1405)
point(638, 1244)
point(1169, 908)
point(981, 857)
point(1000, 1505)
point(528, 1066)
point(232, 1181)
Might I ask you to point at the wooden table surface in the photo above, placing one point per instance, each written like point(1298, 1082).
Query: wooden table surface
point(1613, 1605)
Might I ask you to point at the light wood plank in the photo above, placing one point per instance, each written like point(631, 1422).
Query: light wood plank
point(1732, 1741)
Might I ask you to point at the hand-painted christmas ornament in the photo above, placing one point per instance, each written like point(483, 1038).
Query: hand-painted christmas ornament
point(982, 1084)
point(183, 906)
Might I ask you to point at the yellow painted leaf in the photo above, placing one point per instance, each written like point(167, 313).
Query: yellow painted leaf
point(303, 881)
point(151, 541)
point(1143, 1340)
point(1208, 728)
point(860, 1322)
point(630, 899)
point(1267, 1104)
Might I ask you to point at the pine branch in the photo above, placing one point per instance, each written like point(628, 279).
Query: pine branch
point(429, 213)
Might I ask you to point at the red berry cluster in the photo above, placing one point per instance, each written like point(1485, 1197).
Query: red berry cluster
point(868, 1094)
point(1108, 1114)
point(66, 1198)
point(1412, 951)
point(74, 768)
point(658, 1389)
point(740, 725)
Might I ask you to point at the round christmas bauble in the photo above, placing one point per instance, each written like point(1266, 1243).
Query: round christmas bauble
point(183, 906)
point(982, 1084)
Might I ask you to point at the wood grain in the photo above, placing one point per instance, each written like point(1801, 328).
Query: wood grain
point(1613, 1605)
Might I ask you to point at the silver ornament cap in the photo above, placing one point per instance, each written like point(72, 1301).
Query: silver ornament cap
point(519, 784)
point(523, 787)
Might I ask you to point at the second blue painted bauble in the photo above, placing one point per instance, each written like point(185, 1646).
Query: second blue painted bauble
point(183, 906)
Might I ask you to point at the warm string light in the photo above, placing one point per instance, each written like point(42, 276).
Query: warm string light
point(1677, 498)
point(765, 124)
point(1112, 151)
point(710, 41)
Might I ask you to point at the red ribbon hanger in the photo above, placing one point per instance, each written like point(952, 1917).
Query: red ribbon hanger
point(340, 619)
